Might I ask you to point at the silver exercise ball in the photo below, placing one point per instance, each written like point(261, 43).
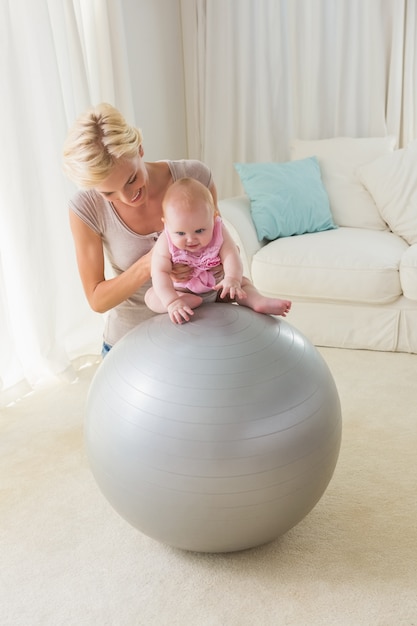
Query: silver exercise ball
point(216, 435)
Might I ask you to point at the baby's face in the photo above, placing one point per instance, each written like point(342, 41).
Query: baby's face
point(190, 228)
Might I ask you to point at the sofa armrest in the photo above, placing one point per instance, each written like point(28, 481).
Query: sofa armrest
point(408, 272)
point(236, 215)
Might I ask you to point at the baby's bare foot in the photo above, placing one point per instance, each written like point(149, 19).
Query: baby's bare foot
point(273, 306)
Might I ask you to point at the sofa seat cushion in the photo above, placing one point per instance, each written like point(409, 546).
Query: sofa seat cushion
point(345, 265)
point(408, 272)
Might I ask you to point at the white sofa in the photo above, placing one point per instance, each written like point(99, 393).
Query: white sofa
point(354, 286)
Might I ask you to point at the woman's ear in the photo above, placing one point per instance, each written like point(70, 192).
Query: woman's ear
point(141, 150)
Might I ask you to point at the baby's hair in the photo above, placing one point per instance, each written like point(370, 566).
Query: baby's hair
point(186, 190)
point(96, 141)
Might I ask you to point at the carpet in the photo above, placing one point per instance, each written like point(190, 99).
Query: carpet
point(68, 559)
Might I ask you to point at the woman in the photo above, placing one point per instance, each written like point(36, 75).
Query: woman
point(118, 212)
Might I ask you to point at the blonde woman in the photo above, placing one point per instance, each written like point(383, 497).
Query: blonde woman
point(118, 212)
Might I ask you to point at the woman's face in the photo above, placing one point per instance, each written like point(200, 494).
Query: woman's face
point(126, 183)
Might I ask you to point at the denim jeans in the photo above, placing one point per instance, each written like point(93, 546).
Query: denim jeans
point(105, 349)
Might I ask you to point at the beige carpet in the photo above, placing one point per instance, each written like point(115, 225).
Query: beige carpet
point(68, 559)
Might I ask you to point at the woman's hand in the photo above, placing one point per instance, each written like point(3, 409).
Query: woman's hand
point(218, 273)
point(181, 273)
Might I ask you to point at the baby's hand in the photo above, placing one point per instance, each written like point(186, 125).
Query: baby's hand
point(231, 287)
point(179, 312)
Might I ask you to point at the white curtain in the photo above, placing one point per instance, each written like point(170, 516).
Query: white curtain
point(260, 73)
point(56, 59)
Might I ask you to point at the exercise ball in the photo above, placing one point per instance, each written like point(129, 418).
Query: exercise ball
point(216, 435)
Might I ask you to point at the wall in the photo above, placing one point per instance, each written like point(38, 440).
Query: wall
point(153, 32)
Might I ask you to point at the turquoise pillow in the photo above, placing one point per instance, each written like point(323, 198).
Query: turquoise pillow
point(286, 198)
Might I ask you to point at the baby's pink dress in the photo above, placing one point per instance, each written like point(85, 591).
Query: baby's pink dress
point(202, 280)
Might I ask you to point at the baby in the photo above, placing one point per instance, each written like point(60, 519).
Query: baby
point(195, 236)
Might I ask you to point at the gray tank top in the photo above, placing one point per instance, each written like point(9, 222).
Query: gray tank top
point(123, 247)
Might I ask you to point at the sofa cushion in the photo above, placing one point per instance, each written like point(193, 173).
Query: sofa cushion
point(351, 204)
point(347, 264)
point(392, 182)
point(408, 272)
point(286, 198)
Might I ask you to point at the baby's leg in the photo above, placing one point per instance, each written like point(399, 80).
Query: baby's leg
point(154, 303)
point(190, 299)
point(262, 304)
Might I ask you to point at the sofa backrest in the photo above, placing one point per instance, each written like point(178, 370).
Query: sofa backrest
point(339, 158)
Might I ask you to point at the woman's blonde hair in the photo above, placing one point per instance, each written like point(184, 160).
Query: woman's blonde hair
point(97, 140)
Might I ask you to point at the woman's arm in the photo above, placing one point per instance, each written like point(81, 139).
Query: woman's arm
point(104, 294)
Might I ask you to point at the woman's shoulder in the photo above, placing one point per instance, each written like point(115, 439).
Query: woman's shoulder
point(89, 206)
point(84, 198)
point(191, 168)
